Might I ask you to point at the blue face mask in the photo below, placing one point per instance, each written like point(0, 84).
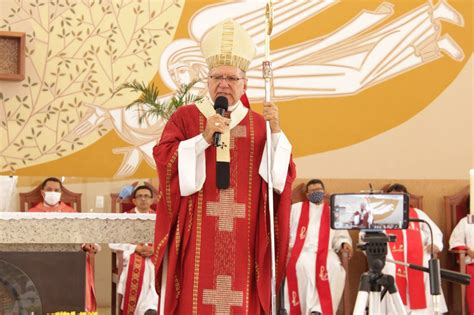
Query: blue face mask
point(126, 192)
point(316, 197)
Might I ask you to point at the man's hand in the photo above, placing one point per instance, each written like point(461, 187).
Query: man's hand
point(346, 248)
point(435, 249)
point(270, 113)
point(90, 248)
point(144, 250)
point(215, 123)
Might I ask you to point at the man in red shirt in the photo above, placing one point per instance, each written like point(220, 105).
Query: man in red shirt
point(51, 191)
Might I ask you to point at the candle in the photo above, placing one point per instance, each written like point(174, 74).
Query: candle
point(471, 190)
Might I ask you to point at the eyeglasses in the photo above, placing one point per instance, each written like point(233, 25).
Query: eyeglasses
point(230, 79)
point(143, 197)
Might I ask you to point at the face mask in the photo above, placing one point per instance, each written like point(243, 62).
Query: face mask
point(52, 198)
point(316, 196)
point(126, 192)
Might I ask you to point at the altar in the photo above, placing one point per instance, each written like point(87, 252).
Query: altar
point(42, 266)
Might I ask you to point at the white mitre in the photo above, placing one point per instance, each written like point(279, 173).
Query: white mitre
point(228, 44)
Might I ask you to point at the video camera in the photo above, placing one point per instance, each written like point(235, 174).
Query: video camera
point(367, 211)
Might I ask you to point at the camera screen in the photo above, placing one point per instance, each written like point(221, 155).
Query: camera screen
point(369, 211)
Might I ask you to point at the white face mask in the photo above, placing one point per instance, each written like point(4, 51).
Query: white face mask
point(52, 198)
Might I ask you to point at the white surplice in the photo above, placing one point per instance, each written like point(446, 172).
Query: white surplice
point(306, 264)
point(390, 268)
point(192, 160)
point(148, 299)
point(463, 235)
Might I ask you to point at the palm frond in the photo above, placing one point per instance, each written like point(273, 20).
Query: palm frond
point(149, 97)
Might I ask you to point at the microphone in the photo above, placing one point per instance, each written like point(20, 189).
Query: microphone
point(449, 275)
point(220, 106)
point(222, 167)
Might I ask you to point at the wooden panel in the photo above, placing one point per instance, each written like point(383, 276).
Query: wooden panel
point(12, 56)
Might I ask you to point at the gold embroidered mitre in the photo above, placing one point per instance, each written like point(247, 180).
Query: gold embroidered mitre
point(228, 44)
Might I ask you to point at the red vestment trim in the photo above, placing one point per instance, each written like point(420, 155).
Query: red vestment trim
point(321, 274)
point(293, 293)
point(322, 279)
point(133, 286)
point(414, 279)
point(91, 301)
point(470, 289)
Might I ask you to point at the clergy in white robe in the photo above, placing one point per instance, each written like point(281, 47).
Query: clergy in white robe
point(138, 264)
point(148, 298)
point(463, 237)
point(393, 269)
point(303, 296)
point(413, 291)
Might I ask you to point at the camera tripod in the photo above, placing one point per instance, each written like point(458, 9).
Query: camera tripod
point(373, 283)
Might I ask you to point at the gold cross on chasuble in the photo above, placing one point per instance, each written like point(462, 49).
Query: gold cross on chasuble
point(226, 210)
point(223, 297)
point(237, 132)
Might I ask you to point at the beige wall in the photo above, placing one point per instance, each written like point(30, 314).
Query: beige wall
point(471, 80)
point(434, 144)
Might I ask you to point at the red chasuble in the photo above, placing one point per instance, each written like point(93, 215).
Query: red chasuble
point(219, 244)
point(413, 279)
